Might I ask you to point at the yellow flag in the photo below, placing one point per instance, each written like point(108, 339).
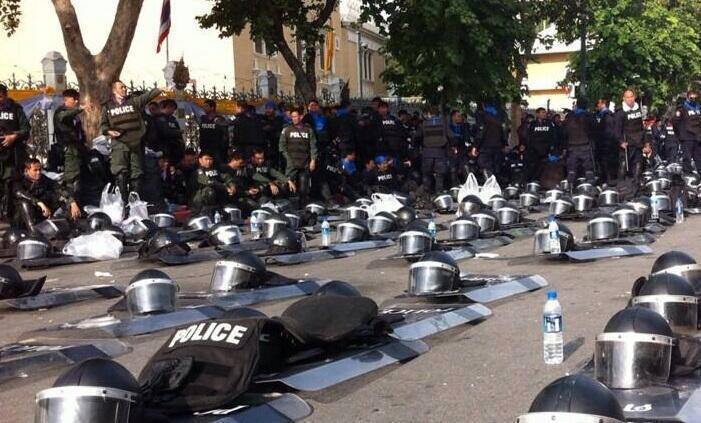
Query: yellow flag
point(328, 50)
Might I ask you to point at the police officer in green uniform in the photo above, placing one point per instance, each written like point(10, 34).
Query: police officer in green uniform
point(208, 186)
point(69, 133)
point(14, 130)
point(298, 147)
point(123, 122)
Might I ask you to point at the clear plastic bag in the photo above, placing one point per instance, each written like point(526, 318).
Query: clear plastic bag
point(137, 208)
point(99, 245)
point(490, 189)
point(111, 203)
point(470, 187)
point(383, 203)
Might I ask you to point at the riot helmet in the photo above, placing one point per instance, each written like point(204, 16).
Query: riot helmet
point(98, 220)
point(224, 233)
point(381, 223)
point(436, 273)
point(285, 241)
point(443, 202)
point(415, 242)
point(13, 286)
point(163, 220)
point(541, 240)
point(151, 291)
point(469, 205)
point(405, 215)
point(163, 241)
point(243, 270)
point(352, 231)
point(464, 229)
point(602, 227)
point(33, 247)
point(200, 223)
point(12, 237)
point(672, 297)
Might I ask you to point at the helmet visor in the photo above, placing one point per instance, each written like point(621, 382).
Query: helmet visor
point(427, 278)
point(83, 404)
point(681, 312)
point(230, 275)
point(630, 360)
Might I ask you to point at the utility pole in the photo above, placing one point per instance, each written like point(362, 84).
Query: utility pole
point(360, 64)
point(583, 48)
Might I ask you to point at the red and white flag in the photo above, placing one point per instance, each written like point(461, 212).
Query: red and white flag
point(165, 24)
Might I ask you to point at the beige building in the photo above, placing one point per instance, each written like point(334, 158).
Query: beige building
point(255, 69)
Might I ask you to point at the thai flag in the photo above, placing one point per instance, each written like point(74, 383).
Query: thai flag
point(165, 24)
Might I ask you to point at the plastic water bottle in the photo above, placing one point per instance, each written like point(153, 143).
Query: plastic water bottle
point(552, 330)
point(325, 233)
point(654, 207)
point(554, 236)
point(217, 217)
point(679, 210)
point(255, 228)
point(432, 229)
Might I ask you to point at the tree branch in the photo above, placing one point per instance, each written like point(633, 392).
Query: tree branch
point(325, 13)
point(78, 55)
point(114, 52)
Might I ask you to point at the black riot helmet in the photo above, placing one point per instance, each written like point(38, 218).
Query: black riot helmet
point(436, 273)
point(243, 270)
point(285, 241)
point(224, 233)
point(634, 350)
point(575, 398)
point(32, 247)
point(405, 215)
point(200, 223)
point(13, 286)
point(163, 240)
point(163, 220)
point(97, 167)
point(94, 390)
point(443, 202)
point(682, 264)
point(12, 237)
point(151, 291)
point(98, 221)
point(381, 222)
point(354, 230)
point(672, 297)
point(470, 204)
point(338, 288)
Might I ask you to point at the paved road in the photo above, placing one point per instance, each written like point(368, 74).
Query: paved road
point(487, 373)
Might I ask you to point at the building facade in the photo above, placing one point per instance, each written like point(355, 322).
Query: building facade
point(355, 60)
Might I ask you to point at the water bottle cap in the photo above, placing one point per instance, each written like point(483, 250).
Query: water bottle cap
point(552, 295)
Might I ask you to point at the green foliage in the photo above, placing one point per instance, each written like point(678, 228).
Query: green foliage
point(10, 14)
point(470, 48)
point(651, 45)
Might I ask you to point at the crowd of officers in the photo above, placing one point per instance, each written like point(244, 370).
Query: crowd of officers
point(330, 154)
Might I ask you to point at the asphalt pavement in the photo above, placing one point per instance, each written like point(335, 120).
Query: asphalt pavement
point(488, 372)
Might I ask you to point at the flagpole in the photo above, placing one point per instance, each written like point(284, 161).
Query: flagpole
point(167, 51)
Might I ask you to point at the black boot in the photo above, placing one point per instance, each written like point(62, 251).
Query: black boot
point(122, 182)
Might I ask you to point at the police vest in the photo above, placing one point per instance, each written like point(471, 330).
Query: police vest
point(692, 120)
point(385, 178)
point(123, 117)
point(9, 119)
point(297, 145)
point(577, 134)
point(434, 133)
point(391, 133)
point(540, 135)
point(633, 126)
point(210, 132)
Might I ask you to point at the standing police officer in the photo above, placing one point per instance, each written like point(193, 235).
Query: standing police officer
point(69, 133)
point(540, 141)
point(298, 147)
point(123, 123)
point(14, 130)
point(214, 133)
point(669, 142)
point(629, 124)
point(490, 142)
point(606, 143)
point(688, 125)
point(579, 129)
point(434, 160)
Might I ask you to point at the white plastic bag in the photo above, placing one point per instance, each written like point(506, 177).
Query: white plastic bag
point(99, 245)
point(490, 189)
point(470, 187)
point(111, 203)
point(137, 208)
point(383, 203)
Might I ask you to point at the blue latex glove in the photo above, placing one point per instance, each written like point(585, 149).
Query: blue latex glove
point(552, 158)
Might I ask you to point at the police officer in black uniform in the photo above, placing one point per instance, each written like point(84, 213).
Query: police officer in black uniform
point(606, 143)
point(36, 196)
point(579, 129)
point(630, 132)
point(460, 144)
point(540, 141)
point(123, 122)
point(490, 142)
point(668, 142)
point(214, 133)
point(688, 125)
point(434, 155)
point(69, 133)
point(298, 147)
point(169, 132)
point(272, 126)
point(342, 128)
point(247, 130)
point(14, 131)
point(392, 139)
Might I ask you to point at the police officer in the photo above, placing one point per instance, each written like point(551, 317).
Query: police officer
point(14, 130)
point(247, 130)
point(214, 133)
point(240, 176)
point(688, 126)
point(208, 187)
point(490, 142)
point(37, 197)
point(392, 139)
point(606, 143)
point(169, 132)
point(69, 133)
point(298, 147)
point(630, 132)
point(382, 177)
point(318, 122)
point(579, 131)
point(540, 142)
point(122, 121)
point(434, 159)
point(272, 126)
point(668, 142)
point(269, 181)
point(343, 128)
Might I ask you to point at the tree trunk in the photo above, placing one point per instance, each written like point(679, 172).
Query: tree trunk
point(96, 73)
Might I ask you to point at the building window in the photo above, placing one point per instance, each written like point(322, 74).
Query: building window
point(367, 66)
point(259, 46)
point(337, 43)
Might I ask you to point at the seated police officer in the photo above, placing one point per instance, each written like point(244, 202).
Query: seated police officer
point(208, 188)
point(36, 196)
point(269, 181)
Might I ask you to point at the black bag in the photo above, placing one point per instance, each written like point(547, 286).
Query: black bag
point(323, 320)
point(208, 364)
